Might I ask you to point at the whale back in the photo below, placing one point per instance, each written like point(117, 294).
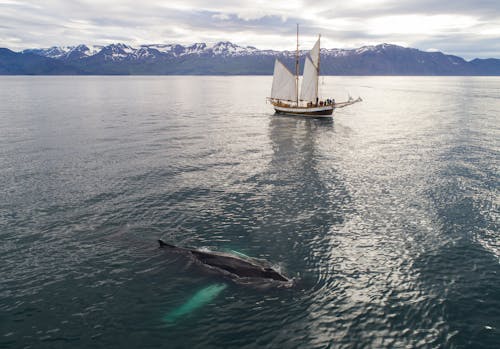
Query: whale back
point(237, 266)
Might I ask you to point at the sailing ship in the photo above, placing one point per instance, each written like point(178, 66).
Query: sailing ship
point(285, 96)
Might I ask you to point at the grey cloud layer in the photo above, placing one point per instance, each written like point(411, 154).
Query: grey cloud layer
point(262, 24)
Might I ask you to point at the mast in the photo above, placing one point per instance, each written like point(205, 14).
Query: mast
point(297, 68)
point(319, 59)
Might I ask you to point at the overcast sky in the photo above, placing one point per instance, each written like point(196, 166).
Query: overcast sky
point(467, 28)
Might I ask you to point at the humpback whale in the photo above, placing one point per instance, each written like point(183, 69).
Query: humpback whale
point(229, 264)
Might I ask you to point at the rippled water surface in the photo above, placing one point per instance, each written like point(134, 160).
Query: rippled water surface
point(387, 216)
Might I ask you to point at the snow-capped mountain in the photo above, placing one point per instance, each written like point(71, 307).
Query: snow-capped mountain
point(120, 52)
point(66, 52)
point(52, 52)
point(226, 58)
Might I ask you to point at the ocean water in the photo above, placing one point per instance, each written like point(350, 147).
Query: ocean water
point(387, 216)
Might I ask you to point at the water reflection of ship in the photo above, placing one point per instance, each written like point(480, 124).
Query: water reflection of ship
point(305, 190)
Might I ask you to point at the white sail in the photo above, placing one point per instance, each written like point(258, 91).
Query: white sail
point(309, 88)
point(315, 54)
point(283, 83)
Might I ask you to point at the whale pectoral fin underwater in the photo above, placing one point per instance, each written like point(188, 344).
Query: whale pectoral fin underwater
point(200, 298)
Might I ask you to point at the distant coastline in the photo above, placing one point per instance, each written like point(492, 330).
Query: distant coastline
point(226, 58)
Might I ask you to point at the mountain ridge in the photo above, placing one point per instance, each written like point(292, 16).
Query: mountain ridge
point(226, 58)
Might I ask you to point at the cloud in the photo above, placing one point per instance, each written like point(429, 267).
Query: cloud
point(221, 16)
point(462, 27)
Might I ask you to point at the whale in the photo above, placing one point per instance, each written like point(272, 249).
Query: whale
point(236, 266)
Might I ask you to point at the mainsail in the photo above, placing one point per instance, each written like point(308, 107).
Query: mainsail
point(309, 88)
point(315, 54)
point(283, 83)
